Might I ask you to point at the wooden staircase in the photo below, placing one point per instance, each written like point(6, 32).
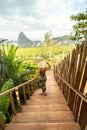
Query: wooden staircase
point(41, 112)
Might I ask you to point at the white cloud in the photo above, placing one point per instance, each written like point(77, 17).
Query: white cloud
point(81, 1)
point(36, 18)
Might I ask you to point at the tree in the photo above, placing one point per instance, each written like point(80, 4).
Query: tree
point(80, 28)
point(48, 40)
point(10, 66)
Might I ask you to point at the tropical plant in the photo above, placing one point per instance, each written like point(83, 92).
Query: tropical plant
point(80, 27)
point(3, 117)
point(9, 64)
point(10, 51)
point(48, 41)
point(5, 100)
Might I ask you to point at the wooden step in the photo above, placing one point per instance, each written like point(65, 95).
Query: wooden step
point(48, 101)
point(49, 107)
point(50, 94)
point(43, 126)
point(47, 116)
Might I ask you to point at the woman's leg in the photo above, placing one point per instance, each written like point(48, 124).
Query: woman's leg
point(44, 89)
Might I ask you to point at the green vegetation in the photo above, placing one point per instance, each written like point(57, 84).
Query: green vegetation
point(80, 27)
point(36, 54)
point(12, 67)
point(2, 116)
point(48, 41)
point(41, 51)
point(5, 100)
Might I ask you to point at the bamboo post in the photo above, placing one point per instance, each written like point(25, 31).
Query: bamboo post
point(18, 99)
point(12, 103)
point(24, 94)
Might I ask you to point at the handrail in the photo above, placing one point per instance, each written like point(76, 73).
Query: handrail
point(31, 82)
point(80, 94)
point(18, 86)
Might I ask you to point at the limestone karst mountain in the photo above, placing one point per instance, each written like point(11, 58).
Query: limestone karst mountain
point(24, 41)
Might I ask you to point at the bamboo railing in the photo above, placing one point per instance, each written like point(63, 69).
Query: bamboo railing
point(28, 86)
point(71, 76)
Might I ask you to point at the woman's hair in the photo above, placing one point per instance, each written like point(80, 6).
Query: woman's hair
point(42, 70)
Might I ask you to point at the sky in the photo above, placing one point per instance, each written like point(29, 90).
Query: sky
point(36, 17)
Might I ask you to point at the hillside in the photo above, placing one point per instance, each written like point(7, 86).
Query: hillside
point(62, 39)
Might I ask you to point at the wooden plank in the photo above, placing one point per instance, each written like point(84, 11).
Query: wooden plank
point(51, 107)
point(51, 116)
point(43, 126)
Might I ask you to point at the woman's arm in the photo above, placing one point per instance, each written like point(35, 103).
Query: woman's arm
point(49, 66)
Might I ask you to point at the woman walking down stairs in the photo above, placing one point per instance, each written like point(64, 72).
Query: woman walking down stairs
point(41, 112)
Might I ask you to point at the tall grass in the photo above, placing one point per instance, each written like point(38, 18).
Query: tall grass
point(43, 50)
point(34, 55)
